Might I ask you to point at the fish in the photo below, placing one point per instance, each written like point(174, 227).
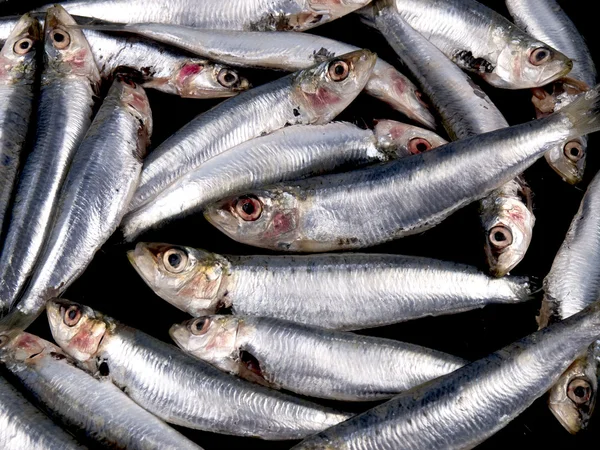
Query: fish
point(95, 410)
point(545, 20)
point(373, 205)
point(22, 425)
point(175, 386)
point(464, 408)
point(310, 360)
point(572, 284)
point(280, 50)
point(310, 96)
point(287, 154)
point(335, 291)
point(493, 48)
point(101, 182)
point(160, 67)
point(249, 15)
point(70, 80)
point(18, 63)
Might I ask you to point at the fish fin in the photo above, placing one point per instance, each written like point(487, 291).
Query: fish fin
point(584, 113)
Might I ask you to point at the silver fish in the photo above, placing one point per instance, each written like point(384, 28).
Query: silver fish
point(545, 20)
point(249, 15)
point(23, 426)
point(493, 48)
point(90, 407)
point(310, 360)
point(314, 95)
point(374, 205)
point(177, 387)
point(162, 68)
point(572, 284)
point(284, 51)
point(70, 79)
point(464, 408)
point(18, 62)
point(337, 291)
point(101, 181)
point(287, 154)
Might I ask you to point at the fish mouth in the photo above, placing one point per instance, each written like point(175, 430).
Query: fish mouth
point(178, 334)
point(562, 74)
point(53, 311)
point(144, 259)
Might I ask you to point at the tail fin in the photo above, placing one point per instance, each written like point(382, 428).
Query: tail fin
point(583, 113)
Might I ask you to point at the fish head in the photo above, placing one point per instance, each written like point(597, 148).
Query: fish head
point(568, 159)
point(334, 9)
point(210, 338)
point(186, 277)
point(324, 90)
point(25, 347)
point(573, 398)
point(76, 328)
point(66, 48)
point(405, 140)
point(526, 63)
point(18, 55)
point(265, 218)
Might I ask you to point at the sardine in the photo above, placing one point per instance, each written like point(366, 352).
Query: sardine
point(464, 408)
point(482, 41)
point(284, 51)
point(287, 154)
point(177, 387)
point(91, 408)
point(23, 426)
point(249, 15)
point(70, 80)
point(545, 20)
point(572, 284)
point(101, 181)
point(310, 360)
point(404, 197)
point(18, 62)
point(314, 95)
point(337, 291)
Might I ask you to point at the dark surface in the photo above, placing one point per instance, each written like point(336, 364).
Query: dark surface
point(111, 285)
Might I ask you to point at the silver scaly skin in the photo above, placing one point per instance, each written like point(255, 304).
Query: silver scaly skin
point(284, 51)
point(93, 408)
point(287, 154)
point(482, 41)
point(18, 64)
point(315, 95)
point(70, 79)
point(464, 408)
point(309, 360)
point(337, 291)
point(375, 205)
point(101, 181)
point(572, 284)
point(162, 68)
point(248, 15)
point(23, 426)
point(177, 387)
point(545, 20)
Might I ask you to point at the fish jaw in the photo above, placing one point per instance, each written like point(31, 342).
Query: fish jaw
point(18, 55)
point(568, 160)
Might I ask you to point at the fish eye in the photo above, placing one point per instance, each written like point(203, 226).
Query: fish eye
point(418, 145)
point(60, 38)
point(248, 208)
point(175, 260)
point(338, 70)
point(500, 237)
point(200, 326)
point(573, 151)
point(72, 315)
point(540, 56)
point(228, 78)
point(22, 46)
point(579, 391)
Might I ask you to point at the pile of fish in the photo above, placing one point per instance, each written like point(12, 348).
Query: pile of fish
point(271, 336)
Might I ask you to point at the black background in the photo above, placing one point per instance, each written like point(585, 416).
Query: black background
point(111, 285)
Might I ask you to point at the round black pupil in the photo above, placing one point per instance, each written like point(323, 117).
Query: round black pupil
point(200, 325)
point(174, 259)
point(229, 78)
point(72, 314)
point(574, 151)
point(59, 37)
point(339, 69)
point(499, 236)
point(580, 391)
point(541, 55)
point(24, 45)
point(248, 207)
point(421, 146)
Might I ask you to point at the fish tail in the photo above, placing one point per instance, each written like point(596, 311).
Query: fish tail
point(584, 113)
